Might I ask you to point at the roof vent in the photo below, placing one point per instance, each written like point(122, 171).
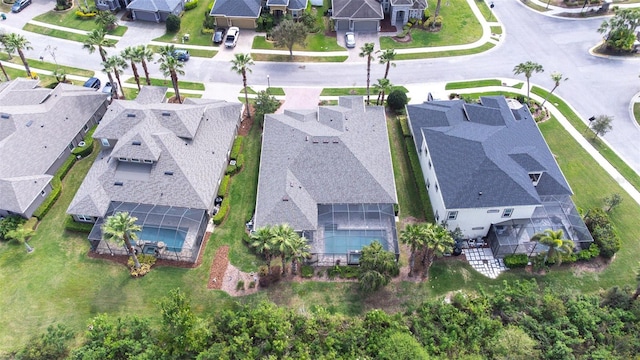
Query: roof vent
point(29, 123)
point(131, 115)
point(335, 141)
point(325, 141)
point(118, 183)
point(285, 198)
point(137, 143)
point(5, 116)
point(168, 172)
point(166, 114)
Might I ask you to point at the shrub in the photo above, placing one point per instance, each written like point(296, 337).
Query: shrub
point(85, 150)
point(514, 261)
point(589, 253)
point(218, 218)
point(231, 170)
point(224, 186)
point(306, 271)
point(75, 226)
point(397, 100)
point(603, 232)
point(172, 23)
point(240, 285)
point(236, 148)
point(209, 22)
point(10, 223)
point(252, 285)
point(190, 5)
point(46, 205)
point(263, 270)
point(146, 262)
point(65, 167)
point(268, 279)
point(240, 162)
point(343, 272)
point(404, 125)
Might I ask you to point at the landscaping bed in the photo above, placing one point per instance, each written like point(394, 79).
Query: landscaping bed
point(218, 268)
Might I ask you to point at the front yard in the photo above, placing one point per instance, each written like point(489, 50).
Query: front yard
point(69, 19)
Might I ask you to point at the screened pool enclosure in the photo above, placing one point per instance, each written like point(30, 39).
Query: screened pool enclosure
point(171, 233)
point(343, 229)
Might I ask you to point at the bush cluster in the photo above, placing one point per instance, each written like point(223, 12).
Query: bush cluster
point(10, 223)
point(84, 151)
point(172, 23)
point(306, 271)
point(46, 205)
point(267, 279)
point(86, 12)
point(190, 5)
point(234, 169)
point(588, 254)
point(146, 262)
point(236, 148)
point(514, 261)
point(224, 186)
point(72, 225)
point(218, 218)
point(603, 231)
point(396, 100)
point(240, 285)
point(343, 272)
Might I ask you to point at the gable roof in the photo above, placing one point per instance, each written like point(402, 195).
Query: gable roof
point(482, 154)
point(414, 4)
point(336, 155)
point(185, 170)
point(36, 127)
point(154, 5)
point(236, 8)
point(297, 4)
point(357, 9)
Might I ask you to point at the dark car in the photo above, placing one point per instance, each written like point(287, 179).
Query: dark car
point(93, 83)
point(19, 5)
point(181, 54)
point(218, 36)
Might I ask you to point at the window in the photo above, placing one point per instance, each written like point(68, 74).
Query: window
point(452, 215)
point(86, 127)
point(535, 177)
point(507, 212)
point(429, 164)
point(148, 161)
point(43, 193)
point(478, 228)
point(135, 160)
point(493, 211)
point(437, 216)
point(105, 142)
point(123, 159)
point(436, 187)
point(428, 183)
point(85, 218)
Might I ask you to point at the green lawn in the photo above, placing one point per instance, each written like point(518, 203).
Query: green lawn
point(276, 91)
point(45, 80)
point(192, 52)
point(485, 10)
point(171, 94)
point(187, 85)
point(191, 23)
point(355, 91)
point(55, 33)
point(472, 84)
point(70, 20)
point(286, 58)
point(314, 42)
point(460, 26)
point(43, 65)
point(448, 53)
point(496, 29)
point(636, 112)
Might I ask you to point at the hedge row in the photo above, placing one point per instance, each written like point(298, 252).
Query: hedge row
point(234, 169)
point(190, 5)
point(84, 151)
point(513, 261)
point(85, 15)
point(237, 147)
point(56, 185)
point(224, 186)
point(72, 225)
point(222, 213)
point(404, 124)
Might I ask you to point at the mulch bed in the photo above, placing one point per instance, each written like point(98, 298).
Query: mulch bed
point(218, 268)
point(247, 123)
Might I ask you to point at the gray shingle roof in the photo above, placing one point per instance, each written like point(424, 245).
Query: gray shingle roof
point(415, 4)
point(236, 8)
point(486, 149)
point(277, 2)
point(151, 95)
point(154, 5)
point(297, 4)
point(357, 9)
point(186, 171)
point(338, 154)
point(34, 131)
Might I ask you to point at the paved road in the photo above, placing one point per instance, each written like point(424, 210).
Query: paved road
point(596, 85)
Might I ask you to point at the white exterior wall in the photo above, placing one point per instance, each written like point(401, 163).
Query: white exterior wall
point(476, 222)
point(430, 179)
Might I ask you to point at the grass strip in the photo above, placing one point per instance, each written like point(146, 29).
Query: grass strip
point(193, 52)
point(449, 53)
point(297, 58)
point(636, 112)
point(187, 85)
point(276, 91)
point(472, 84)
point(314, 42)
point(496, 30)
point(355, 91)
point(70, 20)
point(42, 65)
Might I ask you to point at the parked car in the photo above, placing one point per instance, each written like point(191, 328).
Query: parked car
point(232, 37)
point(181, 54)
point(93, 83)
point(218, 36)
point(19, 5)
point(110, 89)
point(350, 40)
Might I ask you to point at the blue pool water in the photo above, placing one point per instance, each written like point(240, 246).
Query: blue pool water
point(173, 238)
point(343, 241)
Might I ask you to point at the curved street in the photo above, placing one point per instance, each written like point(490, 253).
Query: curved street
point(596, 85)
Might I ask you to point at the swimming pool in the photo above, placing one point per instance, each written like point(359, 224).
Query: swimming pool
point(343, 241)
point(173, 238)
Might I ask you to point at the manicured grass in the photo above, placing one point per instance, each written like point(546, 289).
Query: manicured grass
point(496, 29)
point(192, 52)
point(460, 26)
point(296, 58)
point(624, 169)
point(171, 94)
point(55, 33)
point(485, 10)
point(472, 84)
point(518, 85)
point(131, 93)
point(355, 91)
point(188, 85)
point(191, 23)
point(535, 6)
point(69, 19)
point(636, 112)
point(43, 65)
point(448, 53)
point(314, 42)
point(276, 91)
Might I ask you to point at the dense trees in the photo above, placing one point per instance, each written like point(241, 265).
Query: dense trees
point(620, 29)
point(280, 241)
point(518, 320)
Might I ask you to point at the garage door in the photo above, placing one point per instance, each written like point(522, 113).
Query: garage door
point(366, 26)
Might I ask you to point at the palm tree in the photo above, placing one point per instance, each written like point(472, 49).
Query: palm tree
point(386, 57)
point(21, 234)
point(241, 64)
point(527, 68)
point(367, 51)
point(133, 55)
point(166, 51)
point(116, 65)
point(170, 66)
point(122, 228)
point(144, 54)
point(4, 72)
point(262, 242)
point(413, 235)
point(556, 243)
point(283, 239)
point(299, 252)
point(557, 78)
point(16, 42)
point(382, 87)
point(106, 20)
point(435, 14)
point(377, 265)
point(96, 40)
point(437, 241)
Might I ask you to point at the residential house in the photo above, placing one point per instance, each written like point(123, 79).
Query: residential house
point(163, 164)
point(155, 10)
point(357, 15)
point(240, 13)
point(279, 8)
point(328, 174)
point(489, 172)
point(401, 11)
point(38, 129)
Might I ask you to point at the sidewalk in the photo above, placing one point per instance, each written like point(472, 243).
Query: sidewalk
point(557, 10)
